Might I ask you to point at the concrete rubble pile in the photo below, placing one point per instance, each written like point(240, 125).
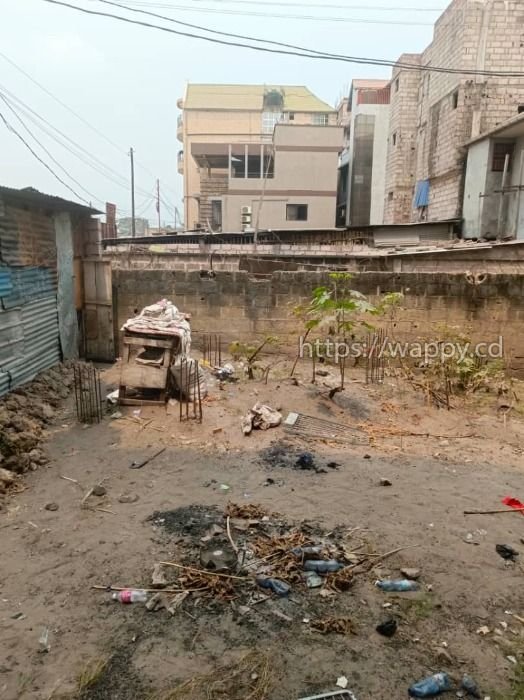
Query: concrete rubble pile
point(24, 415)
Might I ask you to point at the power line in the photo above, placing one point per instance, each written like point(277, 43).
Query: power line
point(46, 151)
point(74, 113)
point(301, 4)
point(11, 128)
point(316, 18)
point(312, 55)
point(96, 164)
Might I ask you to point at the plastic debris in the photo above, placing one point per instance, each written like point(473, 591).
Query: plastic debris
point(342, 682)
point(130, 596)
point(113, 396)
point(434, 685)
point(483, 631)
point(399, 586)
point(260, 417)
point(273, 584)
point(312, 579)
point(224, 487)
point(43, 642)
point(469, 685)
point(323, 567)
point(506, 552)
point(387, 628)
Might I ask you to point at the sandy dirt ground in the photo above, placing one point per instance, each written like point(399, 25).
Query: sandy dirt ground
point(51, 559)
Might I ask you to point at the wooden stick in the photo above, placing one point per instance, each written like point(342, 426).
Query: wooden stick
point(228, 528)
point(202, 571)
point(493, 512)
point(147, 590)
point(150, 459)
point(74, 481)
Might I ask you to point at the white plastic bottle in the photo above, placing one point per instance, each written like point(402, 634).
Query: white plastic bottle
point(130, 596)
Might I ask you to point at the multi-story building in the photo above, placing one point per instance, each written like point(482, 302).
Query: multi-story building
point(363, 161)
point(434, 114)
point(258, 157)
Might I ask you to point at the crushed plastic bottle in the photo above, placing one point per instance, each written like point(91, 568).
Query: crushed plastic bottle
point(273, 584)
point(434, 685)
point(323, 567)
point(130, 596)
point(399, 586)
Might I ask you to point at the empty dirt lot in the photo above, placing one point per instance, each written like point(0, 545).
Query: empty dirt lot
point(100, 649)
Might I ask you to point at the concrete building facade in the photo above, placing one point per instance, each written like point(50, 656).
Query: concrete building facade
point(435, 114)
point(363, 161)
point(258, 156)
point(494, 183)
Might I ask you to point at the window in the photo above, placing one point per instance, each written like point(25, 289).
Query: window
point(296, 212)
point(238, 162)
point(216, 215)
point(394, 138)
point(270, 120)
point(520, 109)
point(455, 99)
point(291, 116)
point(321, 119)
point(500, 151)
point(254, 162)
point(397, 84)
point(390, 196)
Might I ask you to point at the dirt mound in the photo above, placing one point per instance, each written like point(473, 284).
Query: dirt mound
point(24, 415)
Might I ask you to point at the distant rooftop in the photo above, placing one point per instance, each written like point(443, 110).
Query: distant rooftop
point(372, 84)
point(297, 98)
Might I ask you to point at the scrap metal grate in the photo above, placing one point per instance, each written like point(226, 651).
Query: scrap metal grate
point(317, 428)
point(88, 394)
point(212, 349)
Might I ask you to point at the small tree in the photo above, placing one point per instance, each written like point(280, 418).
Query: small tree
point(337, 309)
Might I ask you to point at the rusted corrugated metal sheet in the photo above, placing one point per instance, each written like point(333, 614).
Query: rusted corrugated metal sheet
point(41, 346)
point(27, 238)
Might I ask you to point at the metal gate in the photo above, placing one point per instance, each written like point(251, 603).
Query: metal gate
point(98, 311)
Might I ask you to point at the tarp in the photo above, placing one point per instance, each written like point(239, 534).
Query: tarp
point(421, 194)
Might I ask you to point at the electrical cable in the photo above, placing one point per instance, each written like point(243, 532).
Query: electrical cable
point(46, 151)
point(373, 8)
point(78, 116)
point(316, 18)
point(330, 57)
point(97, 165)
point(11, 128)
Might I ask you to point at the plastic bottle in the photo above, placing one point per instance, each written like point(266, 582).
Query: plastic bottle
point(434, 685)
point(401, 585)
point(273, 584)
point(323, 567)
point(130, 596)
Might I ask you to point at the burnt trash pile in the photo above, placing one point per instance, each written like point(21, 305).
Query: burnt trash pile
point(283, 455)
point(245, 557)
point(24, 415)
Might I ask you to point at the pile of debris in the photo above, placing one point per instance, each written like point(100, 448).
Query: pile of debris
point(247, 556)
point(24, 414)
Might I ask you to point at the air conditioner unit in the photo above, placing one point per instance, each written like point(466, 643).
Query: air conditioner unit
point(245, 217)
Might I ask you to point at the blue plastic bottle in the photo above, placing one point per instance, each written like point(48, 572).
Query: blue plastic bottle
point(399, 586)
point(434, 685)
point(280, 588)
point(323, 567)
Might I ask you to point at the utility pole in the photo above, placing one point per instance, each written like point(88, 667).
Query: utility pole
point(133, 222)
point(158, 203)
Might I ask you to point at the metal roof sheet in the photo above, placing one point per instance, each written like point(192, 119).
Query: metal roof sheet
point(33, 198)
point(297, 98)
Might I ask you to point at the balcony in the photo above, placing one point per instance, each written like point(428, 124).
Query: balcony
point(180, 162)
point(180, 128)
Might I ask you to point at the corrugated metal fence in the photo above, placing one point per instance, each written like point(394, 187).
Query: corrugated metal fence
point(29, 335)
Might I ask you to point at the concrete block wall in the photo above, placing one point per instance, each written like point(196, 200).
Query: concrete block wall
point(242, 307)
point(486, 35)
point(401, 148)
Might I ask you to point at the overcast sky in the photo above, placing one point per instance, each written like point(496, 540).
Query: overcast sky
point(125, 80)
